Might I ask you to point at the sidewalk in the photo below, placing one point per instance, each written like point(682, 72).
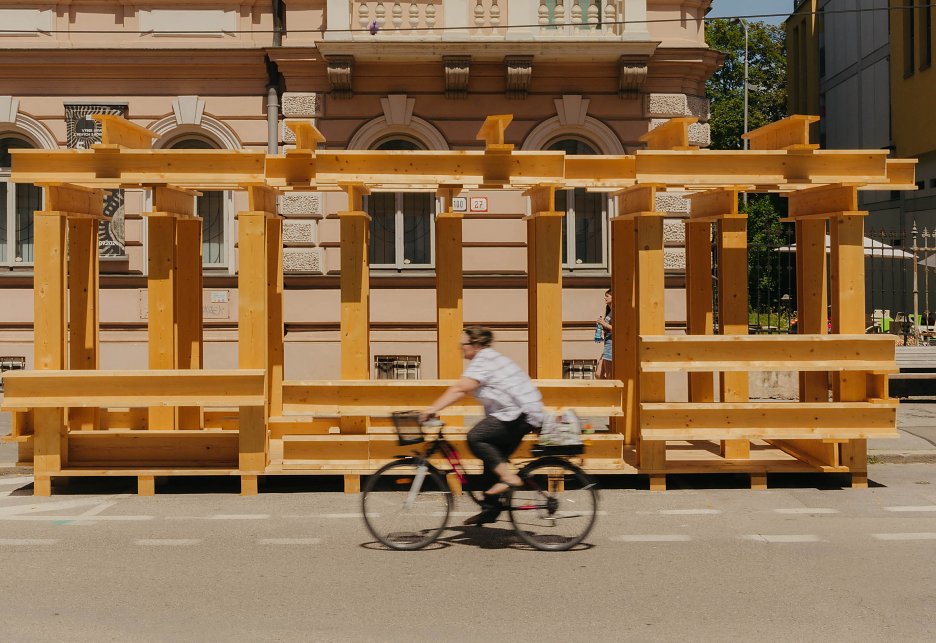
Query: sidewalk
point(916, 424)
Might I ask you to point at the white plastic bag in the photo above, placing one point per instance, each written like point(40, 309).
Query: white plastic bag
point(561, 429)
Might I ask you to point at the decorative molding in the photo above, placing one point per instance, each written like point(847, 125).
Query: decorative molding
point(519, 74)
point(602, 137)
point(299, 233)
point(169, 130)
point(572, 109)
point(310, 260)
point(188, 110)
point(9, 107)
point(302, 204)
point(303, 104)
point(339, 75)
point(375, 130)
point(631, 77)
point(457, 69)
point(398, 109)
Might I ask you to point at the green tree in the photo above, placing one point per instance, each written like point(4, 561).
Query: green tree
point(766, 72)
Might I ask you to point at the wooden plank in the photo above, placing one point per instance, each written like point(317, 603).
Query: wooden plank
point(718, 203)
point(790, 133)
point(699, 313)
point(54, 389)
point(174, 202)
point(83, 297)
point(768, 420)
point(544, 260)
point(75, 200)
point(638, 199)
point(670, 353)
point(146, 485)
point(189, 309)
point(449, 288)
point(822, 200)
point(275, 322)
point(650, 321)
point(355, 296)
point(161, 286)
point(671, 135)
point(116, 130)
point(731, 237)
point(624, 320)
point(154, 448)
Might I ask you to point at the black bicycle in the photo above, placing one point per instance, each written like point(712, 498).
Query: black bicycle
point(407, 502)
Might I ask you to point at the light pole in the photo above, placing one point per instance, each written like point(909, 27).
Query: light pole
point(743, 23)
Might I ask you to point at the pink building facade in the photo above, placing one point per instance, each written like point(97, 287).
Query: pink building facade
point(584, 76)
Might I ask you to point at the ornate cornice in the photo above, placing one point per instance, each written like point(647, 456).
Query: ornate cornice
point(339, 75)
point(519, 71)
point(631, 77)
point(457, 69)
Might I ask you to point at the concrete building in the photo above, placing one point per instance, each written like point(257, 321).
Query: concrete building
point(587, 77)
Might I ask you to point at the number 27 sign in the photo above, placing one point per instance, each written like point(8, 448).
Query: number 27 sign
point(478, 204)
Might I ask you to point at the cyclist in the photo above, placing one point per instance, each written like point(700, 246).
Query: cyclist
point(513, 407)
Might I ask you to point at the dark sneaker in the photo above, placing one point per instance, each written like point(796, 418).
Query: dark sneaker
point(483, 518)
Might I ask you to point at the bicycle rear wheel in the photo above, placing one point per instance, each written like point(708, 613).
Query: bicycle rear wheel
point(556, 508)
point(406, 504)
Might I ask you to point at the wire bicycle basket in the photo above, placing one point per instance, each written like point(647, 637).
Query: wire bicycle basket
point(408, 427)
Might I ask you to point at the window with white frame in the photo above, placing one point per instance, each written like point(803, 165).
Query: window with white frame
point(18, 202)
point(585, 229)
point(213, 206)
point(401, 228)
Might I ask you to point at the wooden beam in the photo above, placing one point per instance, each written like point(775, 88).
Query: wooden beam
point(275, 328)
point(693, 353)
point(162, 308)
point(823, 201)
point(189, 309)
point(83, 289)
point(118, 131)
point(493, 130)
point(715, 204)
point(671, 135)
point(699, 300)
point(544, 290)
point(790, 133)
point(651, 455)
point(307, 135)
point(639, 199)
point(449, 287)
point(731, 234)
point(624, 320)
point(355, 296)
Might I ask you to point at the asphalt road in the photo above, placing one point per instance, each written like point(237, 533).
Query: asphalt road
point(799, 563)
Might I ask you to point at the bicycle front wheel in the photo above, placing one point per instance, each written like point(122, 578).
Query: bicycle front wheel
point(556, 508)
point(406, 504)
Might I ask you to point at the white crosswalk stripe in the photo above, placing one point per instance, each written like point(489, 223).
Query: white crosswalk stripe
point(783, 538)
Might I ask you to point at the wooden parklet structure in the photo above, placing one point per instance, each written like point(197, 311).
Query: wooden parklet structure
point(72, 419)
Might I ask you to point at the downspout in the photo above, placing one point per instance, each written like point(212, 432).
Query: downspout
point(273, 81)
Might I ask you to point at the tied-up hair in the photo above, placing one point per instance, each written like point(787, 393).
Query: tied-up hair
point(607, 306)
point(479, 336)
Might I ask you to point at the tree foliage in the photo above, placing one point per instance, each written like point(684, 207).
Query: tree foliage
point(766, 71)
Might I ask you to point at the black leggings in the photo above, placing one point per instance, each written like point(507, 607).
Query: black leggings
point(493, 441)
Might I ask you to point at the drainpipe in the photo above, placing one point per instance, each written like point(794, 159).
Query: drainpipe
point(273, 80)
point(278, 22)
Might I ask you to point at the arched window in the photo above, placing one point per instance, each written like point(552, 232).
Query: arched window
point(586, 220)
point(401, 228)
point(213, 206)
point(18, 202)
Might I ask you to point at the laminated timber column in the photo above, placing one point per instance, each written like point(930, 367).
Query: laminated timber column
point(839, 204)
point(638, 204)
point(624, 362)
point(544, 269)
point(449, 286)
point(355, 296)
point(254, 333)
point(699, 313)
point(721, 207)
point(85, 210)
point(189, 301)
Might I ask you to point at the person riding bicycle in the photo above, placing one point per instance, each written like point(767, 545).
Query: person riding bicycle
point(513, 407)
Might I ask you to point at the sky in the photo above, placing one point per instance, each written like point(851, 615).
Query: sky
point(722, 8)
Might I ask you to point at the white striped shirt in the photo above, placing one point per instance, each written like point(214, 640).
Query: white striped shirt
point(506, 391)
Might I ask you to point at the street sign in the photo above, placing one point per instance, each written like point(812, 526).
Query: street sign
point(478, 204)
point(460, 204)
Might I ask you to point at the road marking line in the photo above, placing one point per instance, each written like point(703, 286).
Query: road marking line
point(75, 518)
point(12, 542)
point(240, 517)
point(652, 538)
point(344, 515)
point(172, 542)
point(290, 541)
point(689, 512)
point(806, 510)
point(908, 536)
point(783, 538)
point(16, 480)
point(910, 508)
point(48, 506)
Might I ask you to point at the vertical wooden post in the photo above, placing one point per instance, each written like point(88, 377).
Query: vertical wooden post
point(83, 289)
point(253, 332)
point(449, 287)
point(624, 320)
point(161, 294)
point(733, 313)
point(848, 317)
point(50, 441)
point(276, 331)
point(189, 304)
point(355, 297)
point(544, 265)
point(699, 300)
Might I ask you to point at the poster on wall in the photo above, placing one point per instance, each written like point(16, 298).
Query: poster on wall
point(82, 132)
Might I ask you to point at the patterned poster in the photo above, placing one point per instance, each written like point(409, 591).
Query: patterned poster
point(82, 132)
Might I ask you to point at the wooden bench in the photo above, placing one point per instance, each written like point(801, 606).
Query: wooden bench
point(313, 410)
point(144, 453)
point(917, 376)
point(809, 431)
